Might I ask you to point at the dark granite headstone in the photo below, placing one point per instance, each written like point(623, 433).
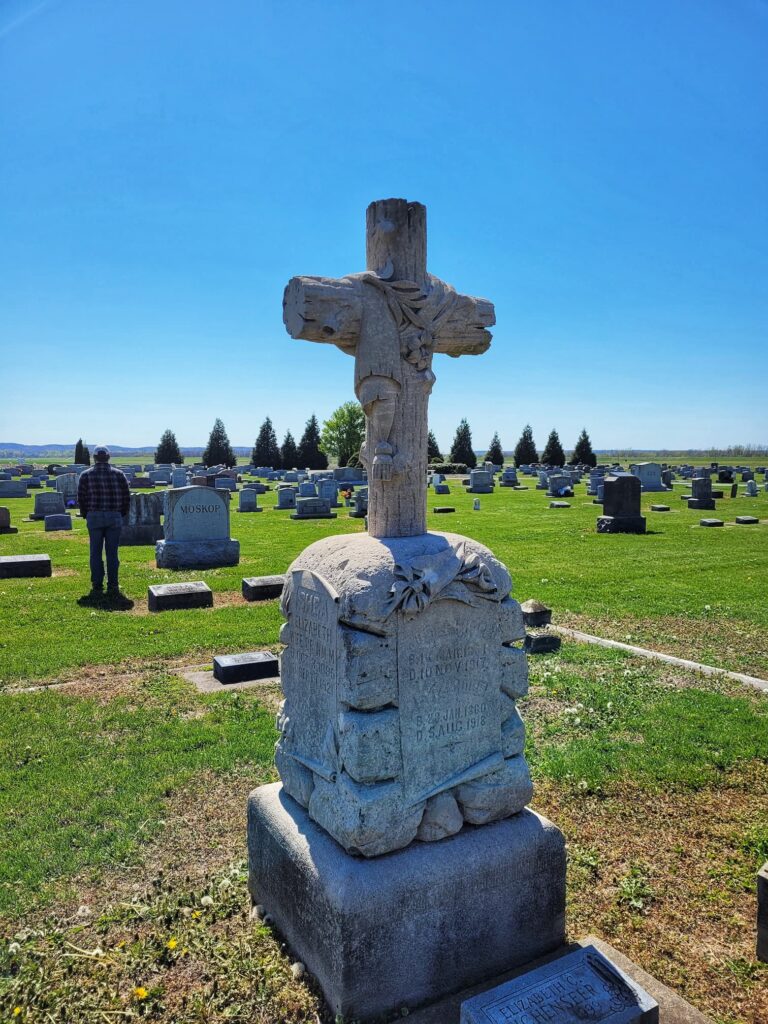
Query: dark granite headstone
point(165, 597)
point(5, 521)
point(542, 643)
point(58, 522)
point(241, 668)
point(261, 588)
point(22, 566)
point(621, 505)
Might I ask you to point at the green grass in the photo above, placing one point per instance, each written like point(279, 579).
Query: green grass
point(704, 588)
point(82, 782)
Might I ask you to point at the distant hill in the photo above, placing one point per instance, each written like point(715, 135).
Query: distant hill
point(13, 450)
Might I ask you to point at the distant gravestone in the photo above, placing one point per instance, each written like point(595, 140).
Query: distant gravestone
point(621, 505)
point(142, 524)
point(243, 668)
point(560, 486)
point(5, 521)
point(746, 520)
point(442, 489)
point(178, 478)
point(751, 489)
point(328, 490)
point(197, 530)
point(307, 490)
point(649, 475)
point(248, 501)
point(359, 503)
point(13, 489)
point(48, 504)
point(262, 588)
point(480, 482)
point(60, 522)
point(313, 508)
point(286, 498)
point(509, 477)
point(701, 491)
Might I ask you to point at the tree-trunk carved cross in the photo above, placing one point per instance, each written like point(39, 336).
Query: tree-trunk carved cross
point(392, 319)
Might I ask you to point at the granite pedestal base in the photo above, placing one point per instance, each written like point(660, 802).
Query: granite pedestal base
point(145, 533)
point(407, 928)
point(621, 524)
point(702, 504)
point(196, 554)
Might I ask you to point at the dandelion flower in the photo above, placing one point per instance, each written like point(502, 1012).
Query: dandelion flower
point(140, 993)
point(297, 970)
point(14, 948)
point(16, 1011)
point(577, 721)
point(172, 943)
point(206, 901)
point(583, 784)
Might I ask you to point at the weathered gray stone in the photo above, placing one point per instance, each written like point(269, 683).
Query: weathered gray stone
point(248, 501)
point(404, 929)
point(746, 520)
point(197, 530)
point(239, 668)
point(542, 643)
point(559, 504)
point(659, 508)
point(313, 508)
point(443, 509)
point(48, 504)
point(649, 475)
point(711, 522)
point(58, 522)
point(261, 588)
point(582, 987)
point(142, 524)
point(19, 566)
point(535, 613)
point(164, 597)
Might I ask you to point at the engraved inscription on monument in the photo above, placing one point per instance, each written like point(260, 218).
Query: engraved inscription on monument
point(449, 699)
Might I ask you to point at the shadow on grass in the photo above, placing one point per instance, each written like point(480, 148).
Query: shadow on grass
point(106, 602)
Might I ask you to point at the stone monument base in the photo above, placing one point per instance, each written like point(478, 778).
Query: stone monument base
point(196, 554)
point(621, 524)
point(702, 504)
point(407, 928)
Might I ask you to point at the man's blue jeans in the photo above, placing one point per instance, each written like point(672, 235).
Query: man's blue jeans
point(104, 530)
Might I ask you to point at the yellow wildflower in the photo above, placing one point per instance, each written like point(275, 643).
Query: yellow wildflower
point(196, 914)
point(140, 992)
point(16, 1011)
point(172, 943)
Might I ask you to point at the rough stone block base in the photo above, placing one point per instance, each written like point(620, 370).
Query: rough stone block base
point(22, 566)
point(406, 928)
point(702, 504)
point(196, 554)
point(621, 524)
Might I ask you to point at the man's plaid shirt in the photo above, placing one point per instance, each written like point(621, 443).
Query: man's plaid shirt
point(102, 488)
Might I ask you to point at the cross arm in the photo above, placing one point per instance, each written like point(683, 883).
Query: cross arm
point(324, 309)
point(463, 331)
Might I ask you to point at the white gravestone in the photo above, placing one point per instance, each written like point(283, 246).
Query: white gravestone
point(401, 670)
point(196, 530)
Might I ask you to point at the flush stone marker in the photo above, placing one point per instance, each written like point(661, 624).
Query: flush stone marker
point(401, 670)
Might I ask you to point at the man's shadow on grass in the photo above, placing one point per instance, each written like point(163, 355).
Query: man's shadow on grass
point(106, 602)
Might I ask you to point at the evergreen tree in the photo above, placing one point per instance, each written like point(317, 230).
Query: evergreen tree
point(525, 449)
point(495, 453)
point(218, 451)
point(289, 453)
point(266, 451)
point(168, 450)
point(82, 454)
point(343, 433)
point(433, 449)
point(309, 454)
point(553, 454)
point(461, 449)
point(583, 453)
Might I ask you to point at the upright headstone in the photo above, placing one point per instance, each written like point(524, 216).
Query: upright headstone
point(5, 521)
point(751, 489)
point(621, 505)
point(509, 477)
point(197, 530)
point(142, 524)
point(49, 503)
point(248, 501)
point(179, 477)
point(480, 482)
point(649, 475)
point(701, 491)
point(400, 677)
point(286, 498)
point(13, 489)
point(328, 490)
point(66, 486)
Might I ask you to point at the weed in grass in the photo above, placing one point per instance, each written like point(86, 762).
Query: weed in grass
point(634, 889)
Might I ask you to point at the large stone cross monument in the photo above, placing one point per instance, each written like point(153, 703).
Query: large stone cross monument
point(392, 319)
point(401, 670)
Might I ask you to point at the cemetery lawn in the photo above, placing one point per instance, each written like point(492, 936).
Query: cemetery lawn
point(122, 803)
point(695, 592)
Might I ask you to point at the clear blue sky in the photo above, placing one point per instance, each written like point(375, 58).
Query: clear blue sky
point(598, 170)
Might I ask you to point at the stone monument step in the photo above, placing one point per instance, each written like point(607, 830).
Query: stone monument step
point(240, 668)
point(23, 566)
point(261, 588)
point(163, 597)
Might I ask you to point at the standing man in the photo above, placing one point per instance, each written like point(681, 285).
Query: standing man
point(104, 498)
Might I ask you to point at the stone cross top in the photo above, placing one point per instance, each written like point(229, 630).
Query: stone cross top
point(392, 319)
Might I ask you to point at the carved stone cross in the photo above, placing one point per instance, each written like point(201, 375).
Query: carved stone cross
point(392, 319)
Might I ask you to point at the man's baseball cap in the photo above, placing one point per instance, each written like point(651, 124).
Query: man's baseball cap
point(101, 449)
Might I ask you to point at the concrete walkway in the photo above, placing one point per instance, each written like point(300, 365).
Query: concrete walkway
point(670, 659)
